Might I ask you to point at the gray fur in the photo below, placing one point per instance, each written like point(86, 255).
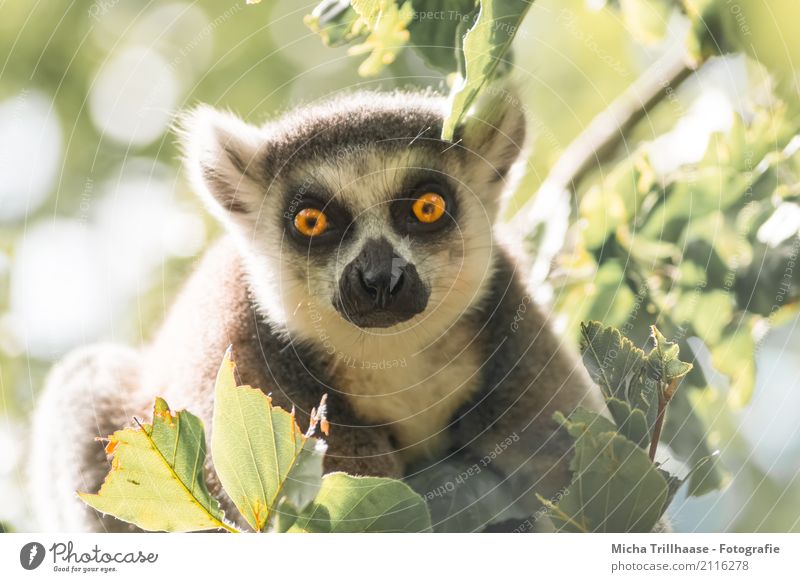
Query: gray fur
point(481, 363)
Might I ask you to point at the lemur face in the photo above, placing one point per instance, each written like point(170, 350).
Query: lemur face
point(356, 220)
point(376, 233)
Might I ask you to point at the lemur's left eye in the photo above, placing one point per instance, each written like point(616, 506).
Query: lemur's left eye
point(311, 222)
point(429, 207)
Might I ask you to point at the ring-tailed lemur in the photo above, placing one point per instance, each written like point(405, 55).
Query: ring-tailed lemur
point(361, 262)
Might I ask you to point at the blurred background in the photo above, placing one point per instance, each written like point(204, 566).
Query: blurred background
point(98, 227)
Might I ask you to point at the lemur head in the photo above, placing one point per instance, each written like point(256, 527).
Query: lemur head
point(354, 218)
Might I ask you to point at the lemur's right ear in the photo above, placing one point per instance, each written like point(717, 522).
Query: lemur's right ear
point(225, 159)
point(494, 129)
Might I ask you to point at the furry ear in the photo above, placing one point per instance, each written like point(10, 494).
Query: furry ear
point(225, 160)
point(495, 130)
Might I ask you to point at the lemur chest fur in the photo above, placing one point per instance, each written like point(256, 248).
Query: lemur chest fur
point(416, 393)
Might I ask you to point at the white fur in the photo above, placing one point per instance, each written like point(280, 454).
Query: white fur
point(419, 395)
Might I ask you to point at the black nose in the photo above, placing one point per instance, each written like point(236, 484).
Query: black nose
point(383, 284)
point(380, 288)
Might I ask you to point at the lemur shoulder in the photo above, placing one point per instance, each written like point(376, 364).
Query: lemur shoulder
point(361, 261)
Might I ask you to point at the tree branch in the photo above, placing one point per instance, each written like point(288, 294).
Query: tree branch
point(595, 144)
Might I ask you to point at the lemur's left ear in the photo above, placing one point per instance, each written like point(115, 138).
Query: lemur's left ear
point(224, 157)
point(495, 130)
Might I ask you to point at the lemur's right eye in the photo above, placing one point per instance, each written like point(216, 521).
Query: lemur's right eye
point(311, 222)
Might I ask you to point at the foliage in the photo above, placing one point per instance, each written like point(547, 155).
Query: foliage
point(470, 38)
point(715, 27)
point(271, 471)
point(483, 48)
point(692, 248)
point(616, 486)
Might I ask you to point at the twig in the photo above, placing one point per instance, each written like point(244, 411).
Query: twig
point(664, 396)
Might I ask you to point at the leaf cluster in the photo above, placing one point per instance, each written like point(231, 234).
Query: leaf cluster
point(469, 39)
point(616, 486)
point(269, 468)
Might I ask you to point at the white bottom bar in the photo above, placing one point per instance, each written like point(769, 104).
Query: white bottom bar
point(330, 558)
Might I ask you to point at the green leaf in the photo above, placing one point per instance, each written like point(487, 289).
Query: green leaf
point(579, 421)
point(631, 422)
point(663, 363)
point(615, 486)
point(437, 29)
point(156, 480)
point(702, 470)
point(619, 368)
point(363, 504)
point(706, 476)
point(259, 452)
point(485, 46)
point(285, 516)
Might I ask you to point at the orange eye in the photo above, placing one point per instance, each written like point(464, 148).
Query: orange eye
point(311, 222)
point(429, 207)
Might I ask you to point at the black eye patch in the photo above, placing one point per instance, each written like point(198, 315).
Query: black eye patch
point(405, 210)
point(338, 221)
